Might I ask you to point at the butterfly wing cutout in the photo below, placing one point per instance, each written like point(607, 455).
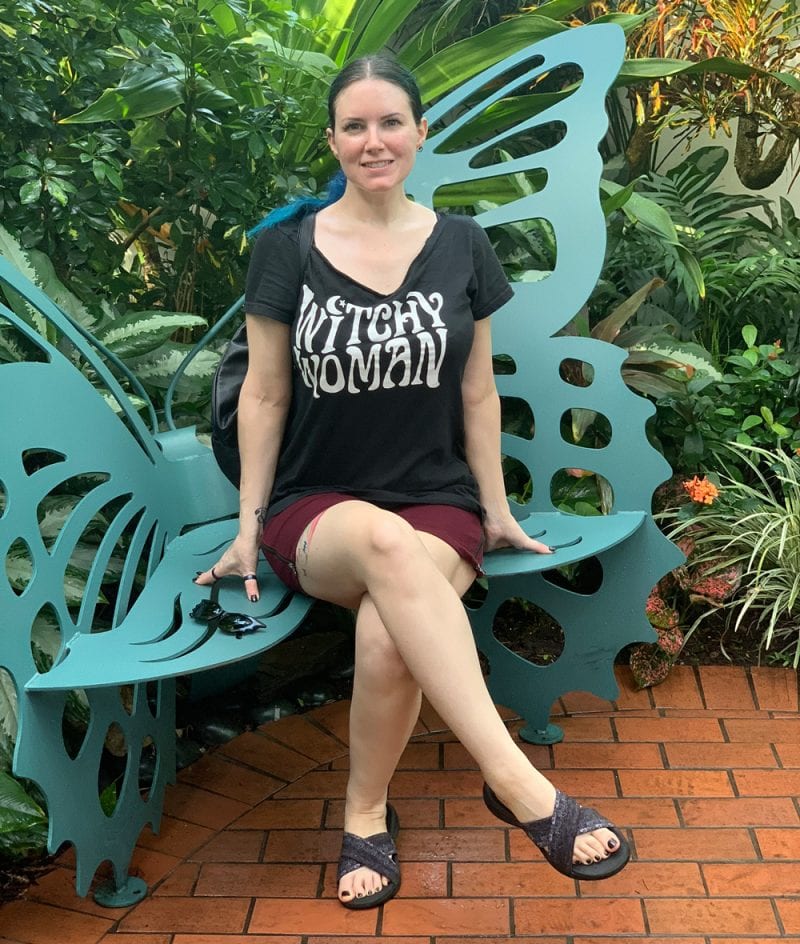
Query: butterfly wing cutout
point(95, 592)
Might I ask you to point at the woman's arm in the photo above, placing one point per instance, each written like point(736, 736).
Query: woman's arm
point(263, 407)
point(482, 444)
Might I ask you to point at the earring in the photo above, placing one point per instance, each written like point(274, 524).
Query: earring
point(419, 148)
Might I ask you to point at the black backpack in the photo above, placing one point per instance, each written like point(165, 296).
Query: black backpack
point(228, 379)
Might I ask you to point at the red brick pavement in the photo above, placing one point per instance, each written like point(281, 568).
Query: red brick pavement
point(703, 773)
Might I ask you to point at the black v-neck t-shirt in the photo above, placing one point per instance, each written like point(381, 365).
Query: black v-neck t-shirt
point(376, 408)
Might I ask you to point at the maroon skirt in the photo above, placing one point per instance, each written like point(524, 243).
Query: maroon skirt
point(459, 528)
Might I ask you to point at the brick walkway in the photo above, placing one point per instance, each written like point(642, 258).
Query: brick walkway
point(703, 772)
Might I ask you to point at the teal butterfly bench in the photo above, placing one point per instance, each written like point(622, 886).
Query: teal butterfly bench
point(165, 510)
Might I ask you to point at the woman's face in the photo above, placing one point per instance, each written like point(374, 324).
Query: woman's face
point(375, 137)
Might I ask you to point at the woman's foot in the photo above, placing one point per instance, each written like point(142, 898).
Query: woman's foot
point(538, 803)
point(368, 871)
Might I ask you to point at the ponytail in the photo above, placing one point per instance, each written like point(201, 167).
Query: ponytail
point(297, 209)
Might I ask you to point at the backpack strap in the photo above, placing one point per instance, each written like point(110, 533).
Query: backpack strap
point(305, 237)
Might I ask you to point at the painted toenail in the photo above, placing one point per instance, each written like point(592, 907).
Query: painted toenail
point(612, 843)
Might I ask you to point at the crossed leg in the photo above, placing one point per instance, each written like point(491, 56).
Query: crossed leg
point(362, 556)
point(384, 709)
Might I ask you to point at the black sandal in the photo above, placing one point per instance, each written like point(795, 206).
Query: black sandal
point(555, 835)
point(378, 853)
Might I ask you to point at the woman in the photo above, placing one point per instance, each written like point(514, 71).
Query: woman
point(369, 429)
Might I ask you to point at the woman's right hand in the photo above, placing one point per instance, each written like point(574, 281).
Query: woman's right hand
point(240, 559)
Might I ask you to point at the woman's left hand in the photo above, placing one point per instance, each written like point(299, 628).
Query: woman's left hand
point(505, 531)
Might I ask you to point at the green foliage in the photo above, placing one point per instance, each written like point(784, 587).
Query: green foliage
point(754, 527)
point(23, 823)
point(728, 268)
point(754, 402)
point(140, 146)
point(143, 342)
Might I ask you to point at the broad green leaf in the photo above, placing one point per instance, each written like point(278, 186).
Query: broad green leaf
point(750, 421)
point(225, 19)
point(466, 58)
point(22, 172)
point(788, 78)
point(680, 353)
point(146, 94)
point(23, 823)
point(641, 209)
point(766, 412)
point(751, 357)
point(781, 367)
point(749, 334)
point(108, 799)
point(637, 70)
point(316, 64)
point(149, 91)
point(30, 192)
point(382, 21)
point(8, 711)
point(618, 200)
point(11, 250)
point(52, 286)
point(144, 331)
point(159, 368)
point(59, 190)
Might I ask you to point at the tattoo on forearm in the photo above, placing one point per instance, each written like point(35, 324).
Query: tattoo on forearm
point(261, 514)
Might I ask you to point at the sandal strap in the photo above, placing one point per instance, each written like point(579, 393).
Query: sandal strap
point(556, 834)
point(377, 852)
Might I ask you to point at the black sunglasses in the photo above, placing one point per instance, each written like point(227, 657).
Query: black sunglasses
point(233, 624)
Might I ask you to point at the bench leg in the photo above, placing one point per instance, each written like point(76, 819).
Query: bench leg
point(550, 734)
point(120, 894)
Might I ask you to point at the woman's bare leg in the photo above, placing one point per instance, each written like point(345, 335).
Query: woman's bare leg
point(383, 712)
point(359, 549)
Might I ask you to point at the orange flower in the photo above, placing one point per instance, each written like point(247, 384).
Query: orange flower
point(701, 490)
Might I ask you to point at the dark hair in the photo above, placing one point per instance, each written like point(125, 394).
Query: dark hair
point(366, 67)
point(375, 67)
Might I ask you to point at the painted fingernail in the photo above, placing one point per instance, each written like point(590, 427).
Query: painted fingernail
point(253, 598)
point(194, 579)
point(197, 573)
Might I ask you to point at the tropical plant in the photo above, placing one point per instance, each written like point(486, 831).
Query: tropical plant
point(754, 401)
point(738, 270)
point(754, 527)
point(23, 821)
point(140, 342)
point(719, 60)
